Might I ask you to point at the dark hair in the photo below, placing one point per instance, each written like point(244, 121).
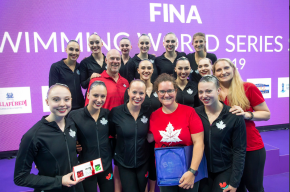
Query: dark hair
point(170, 33)
point(137, 80)
point(162, 78)
point(210, 78)
point(97, 83)
point(57, 85)
point(126, 39)
point(144, 60)
point(143, 34)
point(95, 33)
point(73, 41)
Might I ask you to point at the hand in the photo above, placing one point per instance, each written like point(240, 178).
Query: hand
point(79, 147)
point(239, 111)
point(94, 75)
point(230, 189)
point(187, 180)
point(66, 180)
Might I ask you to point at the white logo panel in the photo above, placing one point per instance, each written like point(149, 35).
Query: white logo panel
point(44, 90)
point(15, 100)
point(283, 87)
point(264, 85)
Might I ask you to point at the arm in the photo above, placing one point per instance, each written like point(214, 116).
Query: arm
point(112, 129)
point(239, 143)
point(126, 96)
point(150, 138)
point(85, 79)
point(53, 75)
point(261, 112)
point(187, 180)
point(130, 70)
point(22, 177)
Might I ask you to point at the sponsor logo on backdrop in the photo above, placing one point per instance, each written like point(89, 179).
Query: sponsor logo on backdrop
point(283, 87)
point(264, 85)
point(44, 90)
point(15, 100)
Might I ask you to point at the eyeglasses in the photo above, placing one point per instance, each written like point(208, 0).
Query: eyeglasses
point(169, 91)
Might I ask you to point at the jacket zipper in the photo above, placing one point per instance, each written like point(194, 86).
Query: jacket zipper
point(98, 140)
point(75, 89)
point(70, 166)
point(209, 141)
point(136, 127)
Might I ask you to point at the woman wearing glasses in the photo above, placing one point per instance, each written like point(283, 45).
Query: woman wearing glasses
point(95, 64)
point(130, 123)
point(187, 90)
point(144, 45)
point(184, 121)
point(93, 135)
point(167, 61)
point(51, 145)
point(67, 71)
point(198, 42)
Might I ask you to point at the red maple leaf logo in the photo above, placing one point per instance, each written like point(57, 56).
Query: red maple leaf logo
point(108, 177)
point(146, 175)
point(223, 185)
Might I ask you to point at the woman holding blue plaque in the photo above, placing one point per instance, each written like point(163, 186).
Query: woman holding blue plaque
point(224, 139)
point(176, 125)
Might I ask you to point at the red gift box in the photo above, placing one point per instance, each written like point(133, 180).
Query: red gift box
point(88, 169)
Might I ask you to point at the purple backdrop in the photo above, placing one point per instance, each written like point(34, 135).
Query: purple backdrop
point(236, 24)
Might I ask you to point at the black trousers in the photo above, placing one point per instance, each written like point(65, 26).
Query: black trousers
point(254, 171)
point(134, 179)
point(152, 166)
point(216, 182)
point(104, 179)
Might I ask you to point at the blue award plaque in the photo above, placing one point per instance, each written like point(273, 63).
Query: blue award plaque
point(173, 162)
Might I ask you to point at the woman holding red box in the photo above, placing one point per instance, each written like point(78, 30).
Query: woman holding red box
point(93, 136)
point(51, 145)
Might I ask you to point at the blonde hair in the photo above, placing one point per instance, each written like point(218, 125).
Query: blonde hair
point(236, 95)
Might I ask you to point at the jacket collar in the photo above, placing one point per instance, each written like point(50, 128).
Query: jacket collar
point(224, 111)
point(54, 125)
point(106, 76)
point(142, 110)
point(102, 112)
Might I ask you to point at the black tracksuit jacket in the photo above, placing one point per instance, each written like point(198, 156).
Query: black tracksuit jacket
point(132, 146)
point(93, 136)
point(151, 103)
point(189, 95)
point(225, 143)
point(54, 153)
point(89, 66)
point(194, 75)
point(133, 64)
point(164, 65)
point(61, 73)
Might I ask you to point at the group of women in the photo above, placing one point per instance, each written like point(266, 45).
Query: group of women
point(199, 98)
